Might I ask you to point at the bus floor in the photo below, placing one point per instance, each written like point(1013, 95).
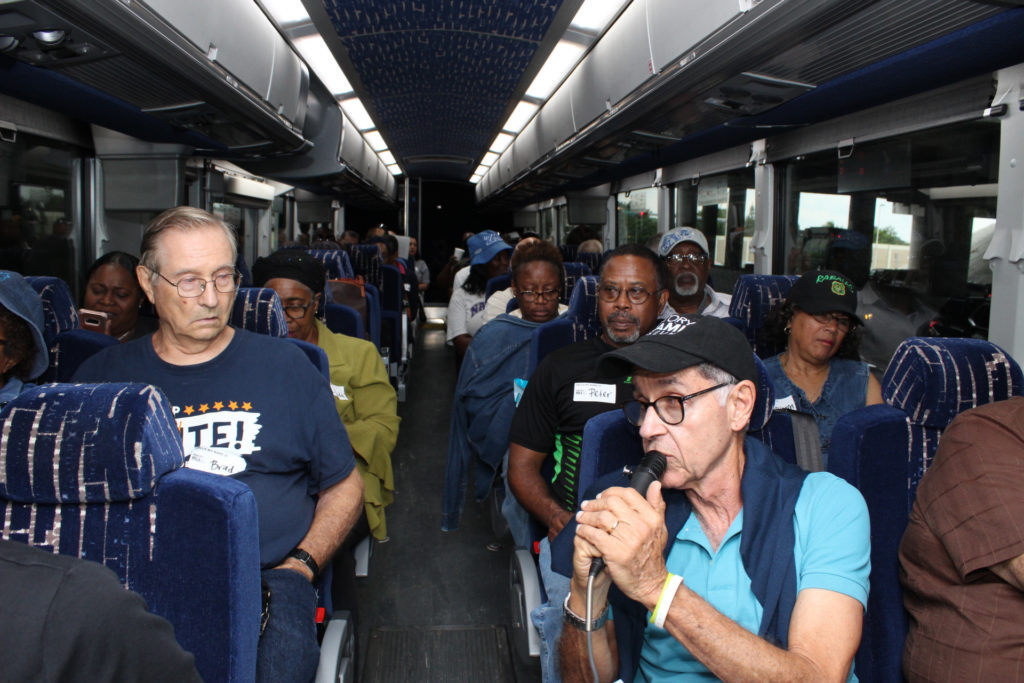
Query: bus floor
point(435, 606)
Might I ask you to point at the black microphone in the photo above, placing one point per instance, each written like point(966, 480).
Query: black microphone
point(651, 468)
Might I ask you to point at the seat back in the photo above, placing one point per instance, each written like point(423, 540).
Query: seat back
point(344, 320)
point(496, 284)
point(336, 262)
point(366, 262)
point(245, 275)
point(579, 322)
point(884, 450)
point(95, 471)
point(60, 313)
point(70, 349)
point(258, 309)
point(573, 273)
point(752, 298)
point(316, 356)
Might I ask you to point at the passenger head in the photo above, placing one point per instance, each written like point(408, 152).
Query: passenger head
point(631, 293)
point(698, 375)
point(187, 269)
point(377, 231)
point(299, 280)
point(590, 247)
point(685, 252)
point(111, 286)
point(414, 248)
point(537, 277)
point(23, 351)
point(350, 237)
point(818, 320)
point(392, 245)
point(488, 257)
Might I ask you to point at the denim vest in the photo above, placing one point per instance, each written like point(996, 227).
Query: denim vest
point(845, 389)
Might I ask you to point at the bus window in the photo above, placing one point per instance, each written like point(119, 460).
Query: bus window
point(636, 215)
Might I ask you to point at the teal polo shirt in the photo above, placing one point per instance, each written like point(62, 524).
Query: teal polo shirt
point(830, 523)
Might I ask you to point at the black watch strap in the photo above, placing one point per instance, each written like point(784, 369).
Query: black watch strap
point(306, 559)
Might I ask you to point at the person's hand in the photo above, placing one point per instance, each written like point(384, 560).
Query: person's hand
point(294, 565)
point(557, 523)
point(628, 531)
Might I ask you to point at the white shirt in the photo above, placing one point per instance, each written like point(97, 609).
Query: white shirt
point(714, 304)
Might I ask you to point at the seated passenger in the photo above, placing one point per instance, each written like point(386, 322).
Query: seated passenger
point(735, 565)
point(564, 392)
point(819, 373)
point(70, 619)
point(249, 406)
point(489, 257)
point(23, 353)
point(422, 270)
point(962, 556)
point(498, 355)
point(686, 256)
point(363, 395)
point(112, 288)
point(498, 302)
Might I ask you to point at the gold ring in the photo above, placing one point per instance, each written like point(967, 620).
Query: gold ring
point(614, 526)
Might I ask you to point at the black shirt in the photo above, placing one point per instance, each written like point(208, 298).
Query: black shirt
point(563, 393)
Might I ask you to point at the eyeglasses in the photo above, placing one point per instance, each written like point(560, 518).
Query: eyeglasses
point(694, 259)
point(191, 286)
point(842, 321)
point(296, 311)
point(669, 408)
point(636, 294)
point(531, 297)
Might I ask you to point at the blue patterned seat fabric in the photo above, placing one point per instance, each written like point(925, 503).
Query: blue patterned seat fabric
point(884, 450)
point(59, 310)
point(752, 298)
point(95, 471)
point(336, 262)
point(258, 309)
point(573, 272)
point(579, 322)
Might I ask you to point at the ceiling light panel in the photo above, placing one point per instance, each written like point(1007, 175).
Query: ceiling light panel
point(355, 110)
point(489, 159)
point(521, 115)
point(286, 12)
point(595, 15)
point(316, 53)
point(558, 65)
point(388, 158)
point(501, 142)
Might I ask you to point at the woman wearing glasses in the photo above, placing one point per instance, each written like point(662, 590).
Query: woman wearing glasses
point(820, 372)
point(498, 355)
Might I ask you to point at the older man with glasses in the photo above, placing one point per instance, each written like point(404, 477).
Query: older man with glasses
point(563, 393)
point(686, 256)
point(256, 406)
point(735, 565)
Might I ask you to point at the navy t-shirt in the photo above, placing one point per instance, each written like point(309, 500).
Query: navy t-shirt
point(260, 412)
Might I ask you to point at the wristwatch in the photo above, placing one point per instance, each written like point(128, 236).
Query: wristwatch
point(578, 622)
point(306, 559)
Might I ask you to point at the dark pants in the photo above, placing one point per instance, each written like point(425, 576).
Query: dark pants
point(288, 649)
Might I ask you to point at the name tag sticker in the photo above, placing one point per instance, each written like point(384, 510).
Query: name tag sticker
point(785, 403)
point(590, 392)
point(339, 392)
point(215, 461)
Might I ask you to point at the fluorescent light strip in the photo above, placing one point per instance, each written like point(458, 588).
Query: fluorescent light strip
point(316, 53)
point(559, 63)
point(395, 169)
point(595, 15)
point(286, 12)
point(521, 115)
point(388, 158)
point(501, 142)
point(376, 140)
point(357, 112)
point(489, 159)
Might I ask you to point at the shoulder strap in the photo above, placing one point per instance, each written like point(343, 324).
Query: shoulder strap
point(807, 441)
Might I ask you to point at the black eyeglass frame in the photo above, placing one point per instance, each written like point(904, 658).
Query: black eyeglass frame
point(530, 296)
point(627, 407)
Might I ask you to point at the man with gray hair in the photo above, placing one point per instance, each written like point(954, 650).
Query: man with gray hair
point(248, 406)
point(735, 565)
point(685, 254)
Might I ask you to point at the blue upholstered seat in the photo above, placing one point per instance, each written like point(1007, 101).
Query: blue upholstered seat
point(366, 262)
point(244, 274)
point(344, 320)
point(573, 273)
point(884, 451)
point(96, 471)
point(496, 284)
point(336, 262)
point(752, 298)
point(258, 309)
point(70, 349)
point(60, 313)
point(578, 323)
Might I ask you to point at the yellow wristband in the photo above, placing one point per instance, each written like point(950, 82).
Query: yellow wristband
point(668, 593)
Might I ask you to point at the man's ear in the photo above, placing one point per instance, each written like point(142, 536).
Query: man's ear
point(144, 276)
point(662, 299)
point(741, 404)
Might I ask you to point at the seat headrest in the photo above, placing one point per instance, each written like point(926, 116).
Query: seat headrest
point(933, 380)
point(60, 313)
point(258, 309)
point(86, 443)
point(765, 398)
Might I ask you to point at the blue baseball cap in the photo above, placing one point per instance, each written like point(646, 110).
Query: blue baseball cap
point(484, 246)
point(18, 297)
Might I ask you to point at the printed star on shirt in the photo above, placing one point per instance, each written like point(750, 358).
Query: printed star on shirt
point(203, 407)
point(233, 405)
point(219, 405)
point(189, 410)
point(246, 406)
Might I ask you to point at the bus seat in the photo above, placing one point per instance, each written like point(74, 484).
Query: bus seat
point(60, 313)
point(578, 323)
point(366, 262)
point(245, 275)
point(119, 495)
point(336, 262)
point(752, 298)
point(884, 451)
point(573, 273)
point(258, 309)
point(70, 349)
point(316, 355)
point(591, 259)
point(498, 283)
point(344, 320)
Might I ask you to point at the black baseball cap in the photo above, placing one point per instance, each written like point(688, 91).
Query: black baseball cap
point(824, 291)
point(682, 341)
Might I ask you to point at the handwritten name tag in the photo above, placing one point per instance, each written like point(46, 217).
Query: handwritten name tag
point(785, 403)
point(215, 461)
point(590, 392)
point(339, 392)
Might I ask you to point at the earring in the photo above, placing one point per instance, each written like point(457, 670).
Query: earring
point(787, 330)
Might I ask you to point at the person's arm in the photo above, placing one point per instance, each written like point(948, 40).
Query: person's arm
point(337, 509)
point(374, 431)
point(874, 396)
point(461, 343)
point(825, 626)
point(530, 489)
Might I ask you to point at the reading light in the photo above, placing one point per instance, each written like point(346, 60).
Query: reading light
point(8, 43)
point(50, 37)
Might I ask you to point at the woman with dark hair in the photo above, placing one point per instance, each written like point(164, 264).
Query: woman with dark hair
point(23, 354)
point(488, 257)
point(111, 287)
point(484, 400)
point(820, 372)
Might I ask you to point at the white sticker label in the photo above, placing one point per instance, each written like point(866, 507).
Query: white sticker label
point(215, 461)
point(785, 403)
point(589, 392)
point(339, 392)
